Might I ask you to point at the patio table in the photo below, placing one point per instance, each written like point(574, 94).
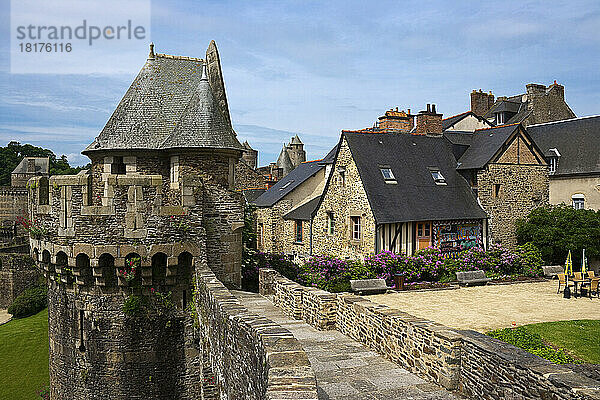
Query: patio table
point(576, 281)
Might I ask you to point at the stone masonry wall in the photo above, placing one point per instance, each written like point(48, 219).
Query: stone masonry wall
point(523, 188)
point(479, 366)
point(273, 226)
point(17, 273)
point(251, 356)
point(344, 200)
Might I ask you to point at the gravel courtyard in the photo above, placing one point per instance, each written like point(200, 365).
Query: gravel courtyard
point(483, 308)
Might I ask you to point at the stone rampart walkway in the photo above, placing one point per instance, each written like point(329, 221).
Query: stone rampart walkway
point(345, 369)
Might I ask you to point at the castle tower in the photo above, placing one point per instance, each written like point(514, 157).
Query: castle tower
point(295, 150)
point(250, 155)
point(119, 242)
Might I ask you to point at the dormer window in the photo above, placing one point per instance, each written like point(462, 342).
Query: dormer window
point(388, 176)
point(553, 160)
point(437, 176)
point(500, 118)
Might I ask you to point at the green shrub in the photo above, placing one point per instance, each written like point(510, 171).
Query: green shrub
point(530, 260)
point(30, 302)
point(332, 274)
point(533, 343)
point(134, 305)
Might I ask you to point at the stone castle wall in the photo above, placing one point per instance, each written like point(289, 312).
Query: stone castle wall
point(17, 273)
point(13, 204)
point(344, 200)
point(476, 365)
point(251, 356)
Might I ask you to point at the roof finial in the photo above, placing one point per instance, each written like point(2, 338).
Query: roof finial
point(151, 55)
point(204, 76)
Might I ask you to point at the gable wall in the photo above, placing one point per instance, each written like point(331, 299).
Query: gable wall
point(344, 201)
point(518, 153)
point(469, 123)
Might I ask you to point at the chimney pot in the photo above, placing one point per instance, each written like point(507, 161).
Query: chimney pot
point(433, 108)
point(428, 108)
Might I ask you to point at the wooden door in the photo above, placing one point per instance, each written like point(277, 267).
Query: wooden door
point(423, 235)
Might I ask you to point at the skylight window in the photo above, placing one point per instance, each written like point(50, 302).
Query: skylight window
point(437, 176)
point(387, 174)
point(286, 185)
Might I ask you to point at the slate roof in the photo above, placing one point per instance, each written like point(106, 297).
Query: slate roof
point(304, 211)
point(577, 141)
point(170, 104)
point(289, 182)
point(42, 165)
point(415, 197)
point(485, 143)
point(463, 138)
point(250, 195)
point(284, 161)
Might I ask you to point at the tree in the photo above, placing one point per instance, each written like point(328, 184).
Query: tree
point(557, 229)
point(13, 153)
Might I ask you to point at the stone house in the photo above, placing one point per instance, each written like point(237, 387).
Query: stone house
point(537, 105)
point(508, 173)
point(283, 214)
point(572, 150)
point(396, 192)
point(157, 204)
point(28, 168)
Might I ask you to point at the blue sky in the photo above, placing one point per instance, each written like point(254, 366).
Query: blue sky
point(314, 68)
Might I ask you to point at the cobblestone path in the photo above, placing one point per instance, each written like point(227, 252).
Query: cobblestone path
point(345, 369)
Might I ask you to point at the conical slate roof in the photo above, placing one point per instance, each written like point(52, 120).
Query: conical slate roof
point(285, 162)
point(168, 105)
point(202, 124)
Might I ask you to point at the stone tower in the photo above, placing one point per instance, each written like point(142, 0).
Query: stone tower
point(119, 242)
point(295, 150)
point(250, 155)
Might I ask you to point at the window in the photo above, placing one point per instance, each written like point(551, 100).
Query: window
point(342, 172)
point(424, 229)
point(578, 201)
point(118, 166)
point(298, 231)
point(387, 174)
point(552, 164)
point(437, 176)
point(330, 223)
point(44, 193)
point(174, 169)
point(355, 222)
point(261, 232)
point(499, 118)
point(496, 192)
point(286, 184)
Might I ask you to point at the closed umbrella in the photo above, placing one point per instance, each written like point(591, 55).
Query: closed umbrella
point(569, 265)
point(583, 265)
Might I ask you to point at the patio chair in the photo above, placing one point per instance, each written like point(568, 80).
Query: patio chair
point(591, 274)
point(578, 276)
point(593, 287)
point(562, 281)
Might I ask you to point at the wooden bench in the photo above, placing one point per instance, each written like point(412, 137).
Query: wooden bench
point(552, 271)
point(369, 286)
point(472, 278)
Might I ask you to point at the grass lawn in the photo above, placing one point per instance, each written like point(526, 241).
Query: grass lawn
point(24, 357)
point(578, 337)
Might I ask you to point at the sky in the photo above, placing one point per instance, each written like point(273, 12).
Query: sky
point(313, 68)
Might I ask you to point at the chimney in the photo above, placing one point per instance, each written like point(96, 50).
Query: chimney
point(429, 121)
point(481, 102)
point(396, 120)
point(30, 165)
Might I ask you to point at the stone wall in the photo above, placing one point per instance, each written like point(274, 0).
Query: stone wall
point(251, 356)
point(476, 365)
point(273, 227)
point(344, 198)
point(522, 189)
point(13, 204)
point(17, 273)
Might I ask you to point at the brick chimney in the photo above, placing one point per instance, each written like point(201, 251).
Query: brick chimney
point(396, 120)
point(481, 102)
point(428, 121)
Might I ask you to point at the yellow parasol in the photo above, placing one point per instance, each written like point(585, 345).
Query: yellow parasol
point(569, 265)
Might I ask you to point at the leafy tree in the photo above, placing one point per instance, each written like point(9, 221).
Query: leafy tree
point(13, 153)
point(557, 229)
